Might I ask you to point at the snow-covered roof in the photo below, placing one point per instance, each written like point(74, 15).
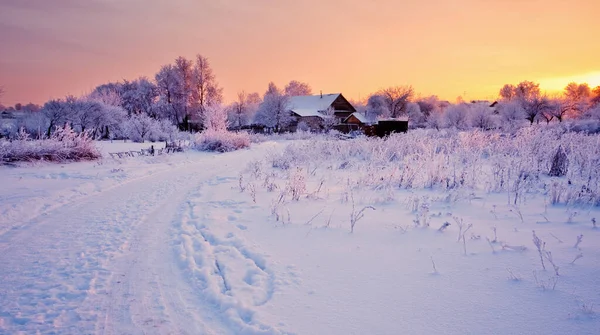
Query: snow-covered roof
point(312, 102)
point(307, 112)
point(360, 117)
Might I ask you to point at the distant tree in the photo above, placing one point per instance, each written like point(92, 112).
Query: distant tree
point(170, 86)
point(109, 94)
point(557, 108)
point(527, 94)
point(57, 112)
point(205, 89)
point(243, 109)
point(593, 113)
point(376, 108)
point(428, 105)
point(535, 106)
point(396, 99)
point(595, 96)
point(511, 112)
point(456, 116)
point(1, 94)
point(297, 88)
point(274, 111)
point(272, 89)
point(578, 98)
point(139, 127)
point(527, 90)
point(482, 116)
point(138, 96)
point(86, 112)
point(30, 107)
point(508, 92)
point(416, 118)
point(215, 118)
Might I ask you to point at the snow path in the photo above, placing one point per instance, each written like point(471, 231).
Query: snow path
point(105, 264)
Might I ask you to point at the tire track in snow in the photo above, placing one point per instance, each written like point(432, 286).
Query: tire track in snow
point(74, 199)
point(105, 264)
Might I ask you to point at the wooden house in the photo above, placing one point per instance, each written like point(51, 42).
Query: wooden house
point(313, 111)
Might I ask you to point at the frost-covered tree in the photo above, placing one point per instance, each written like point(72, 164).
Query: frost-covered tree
point(139, 96)
point(535, 106)
point(215, 118)
point(297, 88)
point(456, 116)
point(205, 88)
point(329, 118)
point(376, 108)
point(139, 127)
point(272, 89)
point(578, 98)
point(511, 114)
point(557, 108)
point(57, 112)
point(507, 92)
point(482, 116)
point(171, 89)
point(274, 111)
point(527, 90)
point(415, 117)
point(428, 105)
point(527, 94)
point(85, 112)
point(109, 94)
point(595, 100)
point(396, 99)
point(243, 109)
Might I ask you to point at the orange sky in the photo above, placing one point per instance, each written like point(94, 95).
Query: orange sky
point(49, 49)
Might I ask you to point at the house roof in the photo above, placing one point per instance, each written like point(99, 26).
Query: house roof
point(307, 112)
point(360, 117)
point(312, 102)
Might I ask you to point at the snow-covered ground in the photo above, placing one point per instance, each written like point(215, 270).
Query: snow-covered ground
point(249, 243)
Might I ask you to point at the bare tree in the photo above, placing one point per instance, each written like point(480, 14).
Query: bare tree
point(482, 116)
point(273, 89)
point(578, 98)
point(595, 96)
point(527, 90)
point(169, 84)
point(396, 99)
point(297, 88)
point(558, 108)
point(527, 94)
point(508, 92)
point(274, 111)
point(243, 109)
point(205, 89)
point(56, 112)
point(535, 106)
point(376, 107)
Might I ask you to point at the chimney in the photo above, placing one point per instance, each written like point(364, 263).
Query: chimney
point(321, 94)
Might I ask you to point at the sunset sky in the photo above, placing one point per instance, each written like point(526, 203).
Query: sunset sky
point(51, 48)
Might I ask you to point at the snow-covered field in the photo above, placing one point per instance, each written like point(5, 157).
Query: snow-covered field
point(258, 241)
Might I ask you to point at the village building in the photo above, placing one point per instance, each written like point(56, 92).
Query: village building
point(315, 111)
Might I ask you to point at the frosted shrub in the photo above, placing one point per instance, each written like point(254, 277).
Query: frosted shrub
point(221, 141)
point(518, 164)
point(63, 145)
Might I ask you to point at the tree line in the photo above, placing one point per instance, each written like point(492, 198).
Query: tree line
point(181, 94)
